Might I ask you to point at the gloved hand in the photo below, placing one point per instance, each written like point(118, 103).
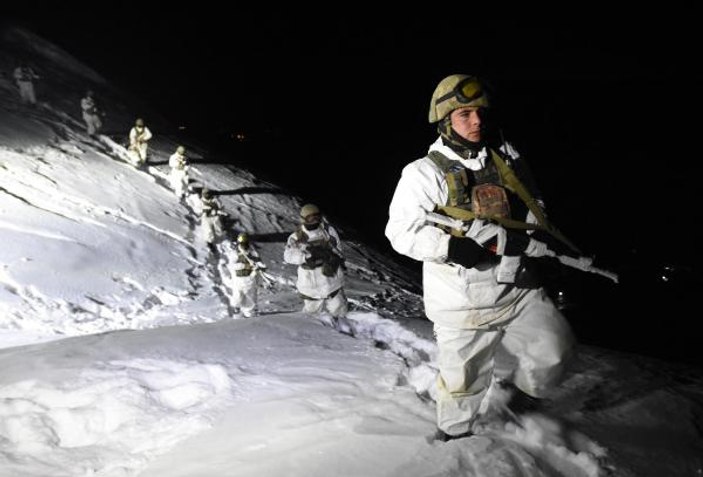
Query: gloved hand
point(316, 252)
point(497, 239)
point(465, 252)
point(313, 257)
point(516, 243)
point(503, 241)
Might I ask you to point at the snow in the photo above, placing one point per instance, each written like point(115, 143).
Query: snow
point(120, 358)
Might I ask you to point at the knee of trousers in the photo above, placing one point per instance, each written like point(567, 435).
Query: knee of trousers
point(541, 372)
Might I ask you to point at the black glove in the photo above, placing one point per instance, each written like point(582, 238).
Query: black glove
point(318, 253)
point(465, 252)
point(515, 243)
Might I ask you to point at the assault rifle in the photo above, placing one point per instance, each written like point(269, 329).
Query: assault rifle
point(266, 278)
point(584, 264)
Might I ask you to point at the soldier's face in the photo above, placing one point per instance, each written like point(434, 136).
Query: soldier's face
point(466, 122)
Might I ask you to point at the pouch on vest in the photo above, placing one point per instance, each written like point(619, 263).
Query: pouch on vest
point(490, 200)
point(331, 265)
point(318, 255)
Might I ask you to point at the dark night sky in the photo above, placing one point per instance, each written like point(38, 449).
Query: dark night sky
point(604, 108)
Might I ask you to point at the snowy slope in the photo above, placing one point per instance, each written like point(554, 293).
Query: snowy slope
point(131, 364)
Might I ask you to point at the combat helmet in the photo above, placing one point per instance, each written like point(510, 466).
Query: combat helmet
point(243, 239)
point(310, 214)
point(456, 91)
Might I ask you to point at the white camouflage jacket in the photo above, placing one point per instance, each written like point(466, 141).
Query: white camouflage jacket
point(454, 296)
point(312, 282)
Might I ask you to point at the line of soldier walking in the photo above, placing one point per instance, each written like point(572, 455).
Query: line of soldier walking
point(93, 116)
point(314, 247)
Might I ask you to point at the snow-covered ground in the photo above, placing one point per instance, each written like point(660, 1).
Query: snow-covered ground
point(120, 356)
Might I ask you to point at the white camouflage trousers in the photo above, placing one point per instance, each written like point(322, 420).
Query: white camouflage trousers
point(138, 152)
point(178, 178)
point(27, 92)
point(244, 294)
point(211, 228)
point(335, 306)
point(92, 123)
point(537, 343)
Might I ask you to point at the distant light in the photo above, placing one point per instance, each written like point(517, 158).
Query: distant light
point(239, 136)
point(665, 278)
point(181, 128)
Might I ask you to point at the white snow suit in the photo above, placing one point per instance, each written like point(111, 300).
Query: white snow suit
point(24, 76)
point(475, 315)
point(178, 177)
point(139, 144)
point(210, 220)
point(243, 266)
point(320, 278)
point(91, 115)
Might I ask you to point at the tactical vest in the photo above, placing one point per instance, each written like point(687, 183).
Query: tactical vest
point(322, 251)
point(210, 208)
point(463, 183)
point(248, 267)
point(25, 75)
point(90, 107)
point(460, 185)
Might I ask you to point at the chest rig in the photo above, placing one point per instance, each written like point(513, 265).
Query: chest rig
point(321, 250)
point(481, 193)
point(243, 257)
point(465, 189)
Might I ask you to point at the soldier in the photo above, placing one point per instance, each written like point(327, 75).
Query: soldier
point(178, 177)
point(315, 248)
point(139, 137)
point(210, 221)
point(24, 76)
point(484, 305)
point(91, 114)
point(244, 267)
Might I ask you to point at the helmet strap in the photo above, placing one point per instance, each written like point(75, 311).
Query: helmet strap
point(462, 146)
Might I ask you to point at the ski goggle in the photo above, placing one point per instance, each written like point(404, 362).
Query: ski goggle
point(466, 90)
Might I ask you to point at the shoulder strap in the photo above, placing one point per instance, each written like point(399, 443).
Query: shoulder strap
point(512, 182)
point(300, 234)
point(442, 161)
point(330, 238)
point(456, 176)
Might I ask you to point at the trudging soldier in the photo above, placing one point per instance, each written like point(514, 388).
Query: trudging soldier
point(24, 77)
point(91, 113)
point(317, 251)
point(483, 304)
point(244, 267)
point(139, 137)
point(178, 177)
point(210, 218)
